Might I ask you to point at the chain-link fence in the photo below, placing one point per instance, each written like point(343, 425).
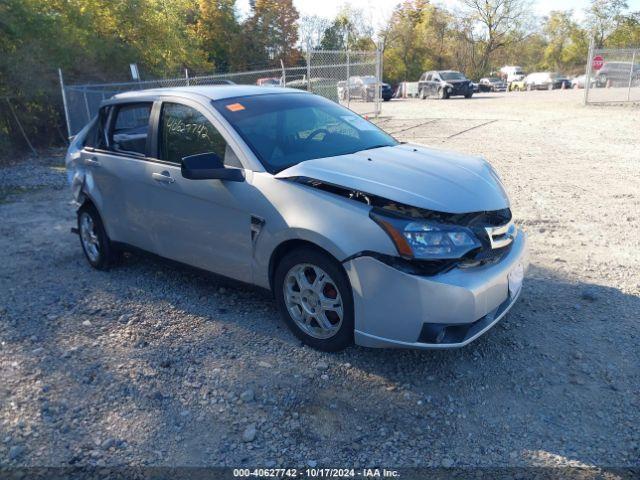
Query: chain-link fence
point(351, 78)
point(614, 76)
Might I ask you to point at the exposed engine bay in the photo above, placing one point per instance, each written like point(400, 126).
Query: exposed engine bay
point(476, 221)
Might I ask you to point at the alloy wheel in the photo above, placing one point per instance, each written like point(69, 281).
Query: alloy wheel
point(89, 237)
point(313, 300)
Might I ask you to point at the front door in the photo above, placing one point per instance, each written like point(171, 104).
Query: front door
point(204, 223)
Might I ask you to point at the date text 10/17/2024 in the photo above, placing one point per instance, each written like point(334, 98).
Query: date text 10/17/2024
point(315, 473)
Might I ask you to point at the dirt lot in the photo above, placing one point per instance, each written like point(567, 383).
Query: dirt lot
point(153, 364)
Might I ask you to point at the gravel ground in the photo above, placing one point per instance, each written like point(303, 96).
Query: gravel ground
point(156, 364)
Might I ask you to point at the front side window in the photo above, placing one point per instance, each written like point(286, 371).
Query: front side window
point(285, 129)
point(184, 131)
point(130, 128)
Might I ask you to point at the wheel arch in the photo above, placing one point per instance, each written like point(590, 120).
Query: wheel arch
point(289, 245)
point(88, 200)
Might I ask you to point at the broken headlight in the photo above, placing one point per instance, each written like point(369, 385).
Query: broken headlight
point(425, 239)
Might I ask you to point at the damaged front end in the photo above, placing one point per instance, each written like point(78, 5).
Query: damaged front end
point(429, 242)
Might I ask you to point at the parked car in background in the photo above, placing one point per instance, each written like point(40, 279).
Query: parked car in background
point(517, 85)
point(546, 81)
point(363, 88)
point(618, 74)
point(358, 236)
point(476, 87)
point(386, 92)
point(269, 82)
point(444, 84)
point(492, 84)
point(581, 82)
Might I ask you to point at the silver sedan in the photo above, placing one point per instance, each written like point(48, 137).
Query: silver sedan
point(359, 237)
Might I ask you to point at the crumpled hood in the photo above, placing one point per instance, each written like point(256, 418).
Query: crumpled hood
point(414, 175)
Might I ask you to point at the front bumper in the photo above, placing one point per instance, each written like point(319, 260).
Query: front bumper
point(460, 89)
point(397, 309)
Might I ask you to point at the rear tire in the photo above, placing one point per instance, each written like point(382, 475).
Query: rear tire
point(97, 248)
point(314, 298)
point(468, 95)
point(423, 94)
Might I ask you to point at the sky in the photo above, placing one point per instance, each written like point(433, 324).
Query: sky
point(380, 10)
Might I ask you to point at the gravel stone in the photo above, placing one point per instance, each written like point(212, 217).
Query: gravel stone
point(16, 451)
point(249, 434)
point(247, 396)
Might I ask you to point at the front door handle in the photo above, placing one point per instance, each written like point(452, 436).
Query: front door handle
point(92, 162)
point(164, 177)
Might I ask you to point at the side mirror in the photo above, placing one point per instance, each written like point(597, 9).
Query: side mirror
point(209, 166)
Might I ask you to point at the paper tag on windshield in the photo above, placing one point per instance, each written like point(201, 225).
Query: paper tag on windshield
point(358, 122)
point(235, 107)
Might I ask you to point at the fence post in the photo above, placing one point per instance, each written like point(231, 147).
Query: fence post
point(283, 81)
point(587, 85)
point(64, 103)
point(308, 67)
point(86, 106)
point(347, 85)
point(631, 71)
point(24, 135)
point(186, 76)
point(379, 50)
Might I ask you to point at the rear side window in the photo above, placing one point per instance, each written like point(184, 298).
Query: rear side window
point(130, 128)
point(97, 136)
point(184, 131)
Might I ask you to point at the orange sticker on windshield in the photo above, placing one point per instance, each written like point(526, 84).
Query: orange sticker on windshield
point(235, 107)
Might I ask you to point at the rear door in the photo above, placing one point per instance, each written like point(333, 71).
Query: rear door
point(117, 167)
point(204, 223)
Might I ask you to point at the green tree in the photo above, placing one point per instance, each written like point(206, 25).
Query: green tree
point(487, 26)
point(567, 42)
point(271, 33)
point(627, 33)
point(603, 18)
point(218, 30)
point(416, 39)
point(349, 30)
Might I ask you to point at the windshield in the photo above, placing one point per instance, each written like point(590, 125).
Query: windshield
point(452, 76)
point(284, 129)
point(495, 80)
point(368, 80)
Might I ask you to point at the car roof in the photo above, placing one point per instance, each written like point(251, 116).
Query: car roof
point(211, 92)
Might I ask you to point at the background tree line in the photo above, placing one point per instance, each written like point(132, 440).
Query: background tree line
point(96, 40)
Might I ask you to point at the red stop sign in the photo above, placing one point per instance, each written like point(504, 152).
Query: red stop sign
point(597, 62)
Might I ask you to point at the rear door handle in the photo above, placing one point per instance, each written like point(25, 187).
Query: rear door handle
point(92, 162)
point(164, 177)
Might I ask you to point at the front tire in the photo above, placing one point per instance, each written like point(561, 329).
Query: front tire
point(96, 245)
point(314, 298)
point(442, 94)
